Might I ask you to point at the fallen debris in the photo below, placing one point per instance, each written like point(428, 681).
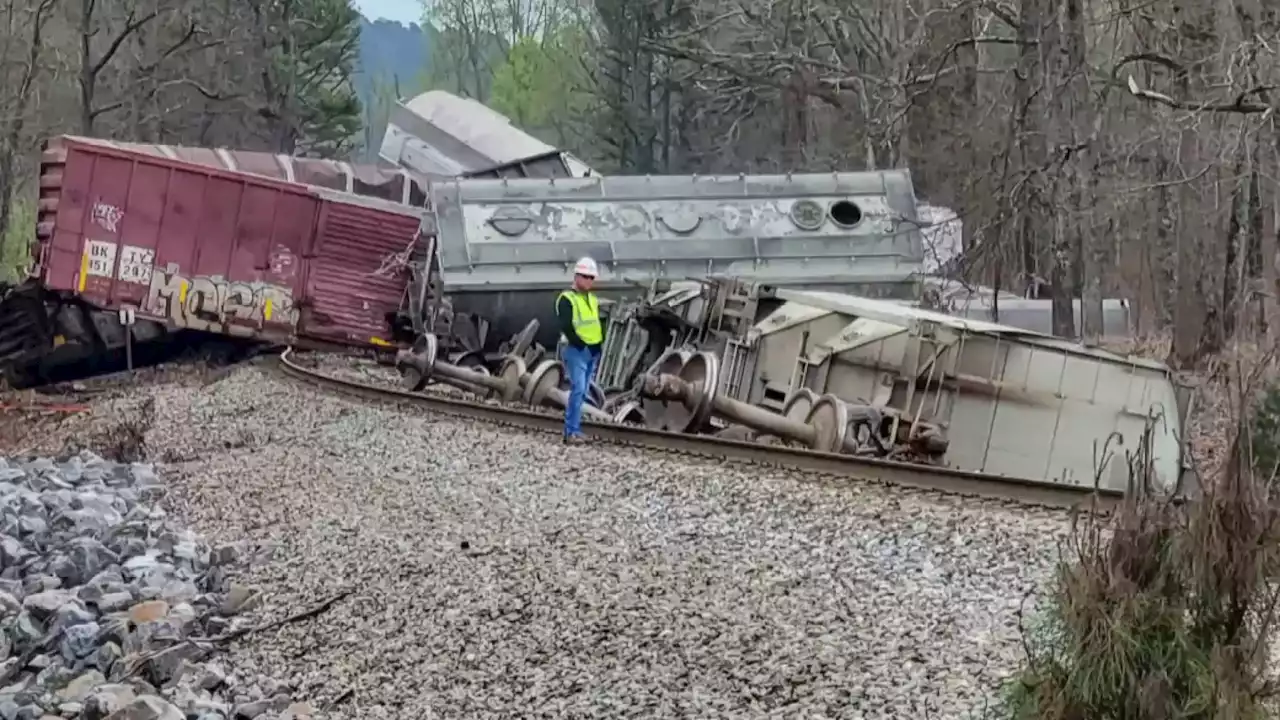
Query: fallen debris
point(44, 407)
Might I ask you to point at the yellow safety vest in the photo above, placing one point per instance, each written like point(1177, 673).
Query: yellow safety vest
point(586, 315)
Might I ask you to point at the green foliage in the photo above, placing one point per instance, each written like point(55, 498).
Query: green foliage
point(15, 245)
point(641, 108)
point(541, 86)
point(471, 40)
point(1266, 433)
point(332, 120)
point(312, 106)
point(381, 100)
point(528, 62)
point(1099, 649)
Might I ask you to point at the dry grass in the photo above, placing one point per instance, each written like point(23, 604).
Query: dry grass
point(1166, 610)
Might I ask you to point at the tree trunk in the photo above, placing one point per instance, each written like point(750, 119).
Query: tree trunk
point(1187, 315)
point(88, 78)
point(1059, 81)
point(1026, 203)
point(1197, 329)
point(1232, 240)
point(1093, 247)
point(1253, 309)
point(16, 111)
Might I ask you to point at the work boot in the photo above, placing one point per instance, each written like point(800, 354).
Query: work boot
point(574, 439)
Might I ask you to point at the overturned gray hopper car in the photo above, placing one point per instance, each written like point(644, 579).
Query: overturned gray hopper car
point(505, 247)
point(440, 135)
point(884, 379)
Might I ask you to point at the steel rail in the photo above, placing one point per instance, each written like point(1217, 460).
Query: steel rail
point(949, 481)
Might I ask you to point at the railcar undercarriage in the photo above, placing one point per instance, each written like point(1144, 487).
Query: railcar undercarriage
point(850, 375)
point(46, 338)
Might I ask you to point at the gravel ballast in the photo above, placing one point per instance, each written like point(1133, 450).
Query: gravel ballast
point(487, 572)
point(108, 611)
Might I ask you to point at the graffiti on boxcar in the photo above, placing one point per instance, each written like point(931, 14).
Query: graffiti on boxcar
point(282, 262)
point(213, 304)
point(107, 216)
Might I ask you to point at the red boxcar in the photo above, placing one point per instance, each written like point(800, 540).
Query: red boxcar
point(205, 248)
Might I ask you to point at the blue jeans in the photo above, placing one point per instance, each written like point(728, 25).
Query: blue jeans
point(580, 364)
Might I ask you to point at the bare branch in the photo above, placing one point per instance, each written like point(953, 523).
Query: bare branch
point(94, 113)
point(1236, 106)
point(187, 38)
point(1239, 105)
point(132, 24)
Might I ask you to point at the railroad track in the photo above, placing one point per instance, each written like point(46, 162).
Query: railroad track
point(842, 467)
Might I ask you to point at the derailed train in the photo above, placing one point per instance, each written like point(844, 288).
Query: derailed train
point(138, 242)
point(855, 375)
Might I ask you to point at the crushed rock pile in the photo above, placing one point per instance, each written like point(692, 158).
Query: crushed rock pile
point(110, 611)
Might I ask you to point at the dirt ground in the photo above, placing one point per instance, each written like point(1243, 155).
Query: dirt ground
point(107, 415)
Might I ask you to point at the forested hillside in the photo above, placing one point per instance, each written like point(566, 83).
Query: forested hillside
point(1092, 146)
point(257, 74)
point(394, 62)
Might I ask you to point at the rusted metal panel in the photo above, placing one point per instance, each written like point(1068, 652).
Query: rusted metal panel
point(202, 248)
point(387, 183)
point(356, 279)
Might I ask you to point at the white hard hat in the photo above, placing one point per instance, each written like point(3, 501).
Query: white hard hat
point(586, 266)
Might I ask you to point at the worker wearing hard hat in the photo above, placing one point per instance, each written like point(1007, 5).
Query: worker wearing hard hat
point(579, 313)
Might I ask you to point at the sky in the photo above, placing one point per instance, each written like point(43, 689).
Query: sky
point(405, 11)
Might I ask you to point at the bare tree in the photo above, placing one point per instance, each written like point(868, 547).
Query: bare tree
point(178, 72)
point(92, 63)
point(23, 46)
point(1091, 148)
